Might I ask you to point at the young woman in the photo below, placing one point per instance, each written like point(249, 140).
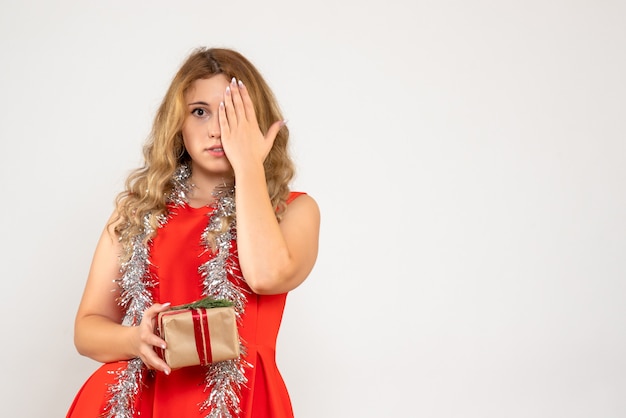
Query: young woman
point(210, 213)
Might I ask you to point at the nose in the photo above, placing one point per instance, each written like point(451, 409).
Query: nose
point(214, 129)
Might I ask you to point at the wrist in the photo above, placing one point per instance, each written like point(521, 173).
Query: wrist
point(131, 340)
point(249, 172)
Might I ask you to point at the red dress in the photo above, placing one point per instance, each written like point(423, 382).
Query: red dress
point(176, 254)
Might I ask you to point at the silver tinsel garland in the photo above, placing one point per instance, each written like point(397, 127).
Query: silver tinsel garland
point(121, 403)
point(224, 380)
point(135, 297)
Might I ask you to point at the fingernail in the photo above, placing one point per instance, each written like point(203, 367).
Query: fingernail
point(241, 84)
point(228, 90)
point(167, 372)
point(233, 81)
point(283, 122)
point(163, 346)
point(221, 105)
point(166, 304)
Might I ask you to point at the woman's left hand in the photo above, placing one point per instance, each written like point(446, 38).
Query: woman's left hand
point(242, 139)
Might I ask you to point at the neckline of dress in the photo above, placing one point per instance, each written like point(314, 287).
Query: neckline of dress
point(208, 207)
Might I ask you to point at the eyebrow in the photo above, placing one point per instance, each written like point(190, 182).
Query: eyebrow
point(199, 103)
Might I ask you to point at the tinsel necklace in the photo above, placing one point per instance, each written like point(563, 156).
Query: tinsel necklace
point(223, 380)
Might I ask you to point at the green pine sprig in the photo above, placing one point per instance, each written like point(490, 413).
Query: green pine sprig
point(205, 303)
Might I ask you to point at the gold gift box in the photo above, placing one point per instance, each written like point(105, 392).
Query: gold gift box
point(198, 336)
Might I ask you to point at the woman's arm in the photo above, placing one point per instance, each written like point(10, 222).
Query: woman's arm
point(98, 333)
point(275, 257)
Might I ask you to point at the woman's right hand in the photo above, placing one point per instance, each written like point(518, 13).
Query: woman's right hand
point(145, 339)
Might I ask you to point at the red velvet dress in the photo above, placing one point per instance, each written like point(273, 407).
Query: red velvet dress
point(176, 254)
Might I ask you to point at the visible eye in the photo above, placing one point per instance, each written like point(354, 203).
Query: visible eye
point(199, 112)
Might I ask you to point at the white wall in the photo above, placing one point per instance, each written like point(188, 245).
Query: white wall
point(468, 158)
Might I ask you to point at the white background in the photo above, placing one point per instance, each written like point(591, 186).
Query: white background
point(468, 158)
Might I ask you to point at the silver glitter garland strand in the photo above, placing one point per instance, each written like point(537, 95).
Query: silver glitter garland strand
point(215, 272)
point(225, 379)
point(135, 281)
point(181, 187)
point(135, 298)
point(121, 403)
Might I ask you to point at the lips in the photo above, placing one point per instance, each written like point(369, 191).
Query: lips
point(216, 151)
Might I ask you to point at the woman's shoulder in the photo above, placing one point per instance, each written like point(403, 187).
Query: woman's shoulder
point(299, 198)
point(293, 195)
point(301, 204)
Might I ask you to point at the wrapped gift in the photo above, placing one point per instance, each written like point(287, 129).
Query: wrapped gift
point(198, 335)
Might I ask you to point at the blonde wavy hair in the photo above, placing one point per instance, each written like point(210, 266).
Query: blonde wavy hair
point(147, 188)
